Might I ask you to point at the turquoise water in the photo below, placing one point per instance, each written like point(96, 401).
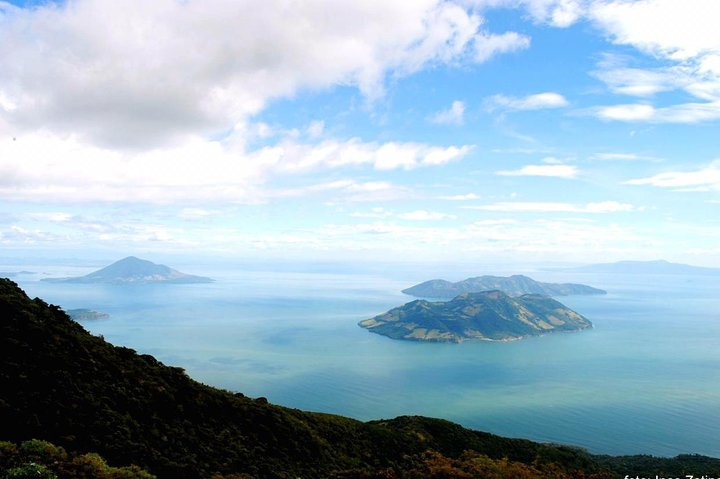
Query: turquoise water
point(646, 379)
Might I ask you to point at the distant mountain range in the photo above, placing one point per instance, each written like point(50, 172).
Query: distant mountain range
point(134, 270)
point(515, 285)
point(645, 267)
point(488, 315)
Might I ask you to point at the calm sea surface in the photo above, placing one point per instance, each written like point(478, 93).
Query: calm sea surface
point(646, 379)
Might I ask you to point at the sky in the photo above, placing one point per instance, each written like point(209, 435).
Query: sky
point(486, 131)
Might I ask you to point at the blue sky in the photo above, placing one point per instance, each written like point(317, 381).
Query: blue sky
point(451, 131)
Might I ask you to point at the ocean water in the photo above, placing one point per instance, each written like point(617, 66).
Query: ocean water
point(646, 379)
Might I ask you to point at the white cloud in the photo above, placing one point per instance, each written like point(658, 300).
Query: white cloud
point(290, 156)
point(506, 221)
point(455, 115)
point(613, 70)
point(553, 170)
point(377, 212)
point(622, 157)
point(559, 13)
point(465, 197)
point(316, 128)
point(346, 190)
point(57, 217)
point(628, 112)
point(681, 113)
point(6, 103)
point(537, 101)
point(417, 215)
point(17, 235)
point(560, 238)
point(704, 179)
point(550, 207)
point(664, 28)
point(165, 69)
point(194, 213)
point(42, 167)
point(683, 35)
point(490, 45)
point(423, 215)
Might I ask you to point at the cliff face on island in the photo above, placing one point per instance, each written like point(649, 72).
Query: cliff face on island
point(515, 285)
point(488, 315)
point(132, 270)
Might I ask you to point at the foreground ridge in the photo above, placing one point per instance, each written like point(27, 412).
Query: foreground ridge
point(61, 384)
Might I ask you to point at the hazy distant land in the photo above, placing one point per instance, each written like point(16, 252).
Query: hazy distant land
point(488, 315)
point(645, 267)
point(134, 270)
point(515, 285)
point(83, 314)
point(12, 274)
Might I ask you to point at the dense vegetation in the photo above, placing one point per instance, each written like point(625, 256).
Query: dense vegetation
point(60, 384)
point(44, 460)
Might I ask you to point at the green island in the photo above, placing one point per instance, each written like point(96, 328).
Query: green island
point(75, 406)
point(515, 285)
point(488, 316)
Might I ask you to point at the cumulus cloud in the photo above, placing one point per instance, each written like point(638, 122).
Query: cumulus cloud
point(43, 167)
point(537, 101)
point(143, 74)
point(704, 179)
point(552, 207)
point(682, 35)
point(455, 115)
point(554, 170)
point(663, 28)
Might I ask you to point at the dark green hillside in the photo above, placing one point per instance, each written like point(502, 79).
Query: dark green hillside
point(60, 384)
